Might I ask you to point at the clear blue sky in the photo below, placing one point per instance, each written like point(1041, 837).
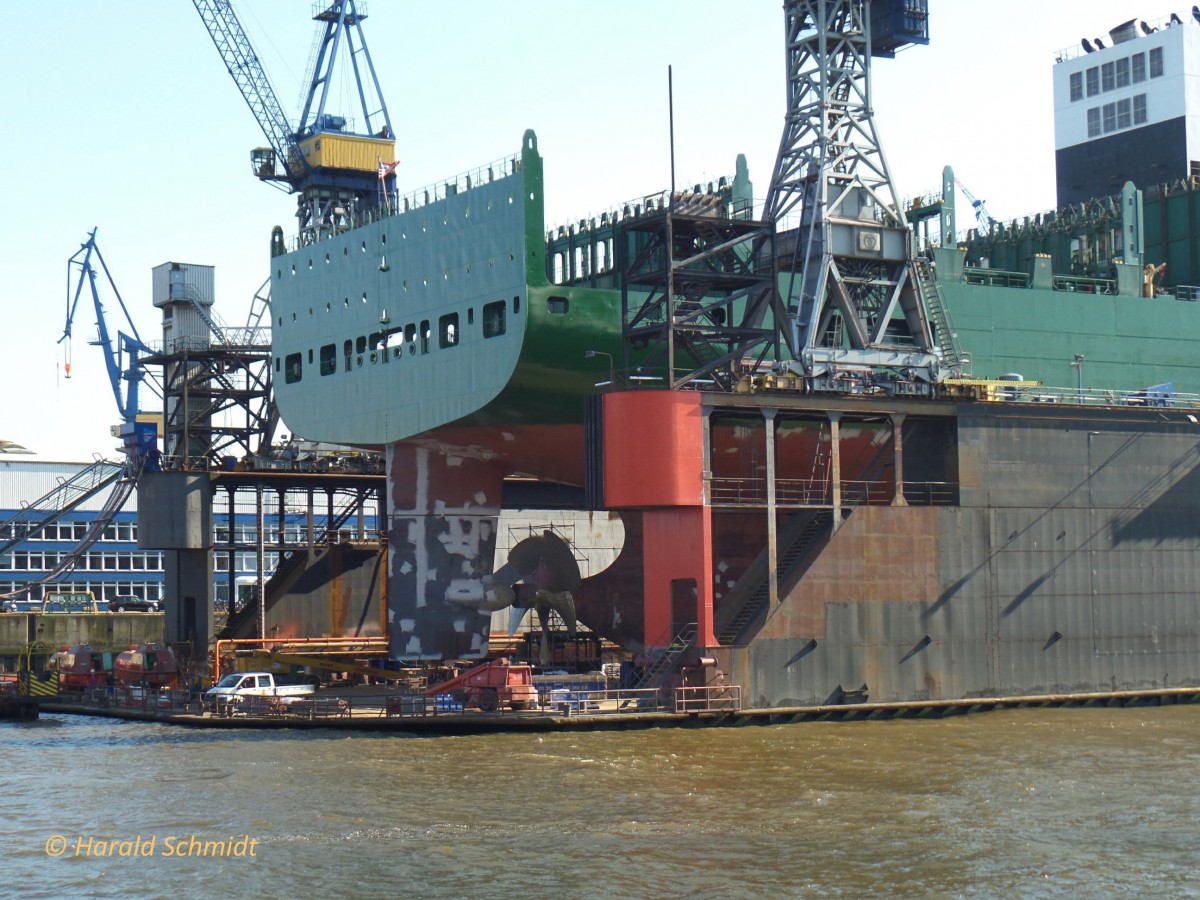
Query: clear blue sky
point(120, 115)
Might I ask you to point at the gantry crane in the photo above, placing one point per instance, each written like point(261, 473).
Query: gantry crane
point(335, 167)
point(861, 311)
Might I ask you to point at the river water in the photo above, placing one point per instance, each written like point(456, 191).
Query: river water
point(1052, 803)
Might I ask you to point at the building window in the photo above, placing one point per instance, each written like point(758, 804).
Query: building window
point(1093, 81)
point(1124, 119)
point(328, 359)
point(1108, 78)
point(494, 323)
point(1122, 73)
point(1076, 86)
point(1139, 109)
point(1137, 64)
point(1156, 62)
point(1093, 117)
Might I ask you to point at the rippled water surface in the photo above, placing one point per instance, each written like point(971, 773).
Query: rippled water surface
point(1056, 803)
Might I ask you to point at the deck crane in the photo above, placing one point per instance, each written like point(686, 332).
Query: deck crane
point(335, 169)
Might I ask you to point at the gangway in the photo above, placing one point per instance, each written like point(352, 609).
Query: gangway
point(69, 494)
point(126, 481)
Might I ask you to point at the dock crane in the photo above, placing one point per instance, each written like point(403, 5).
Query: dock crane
point(125, 374)
point(982, 216)
point(336, 170)
point(120, 355)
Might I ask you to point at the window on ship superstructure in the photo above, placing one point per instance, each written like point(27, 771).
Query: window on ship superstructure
point(329, 359)
point(494, 323)
point(424, 335)
point(293, 368)
point(1110, 117)
point(1156, 62)
point(1137, 67)
point(1124, 115)
point(1093, 122)
point(1108, 77)
point(448, 330)
point(1123, 73)
point(1139, 109)
point(1093, 81)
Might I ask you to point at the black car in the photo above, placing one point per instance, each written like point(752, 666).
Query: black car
point(132, 604)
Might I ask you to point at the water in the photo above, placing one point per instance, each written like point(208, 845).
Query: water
point(1048, 803)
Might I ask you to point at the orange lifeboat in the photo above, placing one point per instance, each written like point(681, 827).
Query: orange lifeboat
point(150, 665)
point(84, 666)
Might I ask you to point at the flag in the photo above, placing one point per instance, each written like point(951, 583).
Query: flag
point(386, 169)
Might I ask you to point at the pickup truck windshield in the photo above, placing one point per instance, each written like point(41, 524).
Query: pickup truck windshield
point(229, 681)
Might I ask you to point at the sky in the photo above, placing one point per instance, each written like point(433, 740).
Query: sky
point(120, 116)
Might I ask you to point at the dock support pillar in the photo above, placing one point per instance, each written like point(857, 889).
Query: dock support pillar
point(898, 452)
point(835, 465)
point(772, 518)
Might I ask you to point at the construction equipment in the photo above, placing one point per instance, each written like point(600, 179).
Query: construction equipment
point(492, 685)
point(982, 216)
point(125, 373)
point(335, 169)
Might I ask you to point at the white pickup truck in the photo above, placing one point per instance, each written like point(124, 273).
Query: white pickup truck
point(241, 690)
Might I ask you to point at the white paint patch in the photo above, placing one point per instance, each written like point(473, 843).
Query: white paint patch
point(407, 625)
point(461, 537)
point(413, 648)
point(462, 590)
point(481, 498)
point(460, 626)
point(476, 641)
point(508, 436)
point(406, 568)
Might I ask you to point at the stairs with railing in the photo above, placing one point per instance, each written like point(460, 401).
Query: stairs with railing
point(801, 542)
point(953, 359)
point(667, 660)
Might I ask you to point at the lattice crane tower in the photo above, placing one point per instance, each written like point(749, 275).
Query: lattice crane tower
point(862, 312)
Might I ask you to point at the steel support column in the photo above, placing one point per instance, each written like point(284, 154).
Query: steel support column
point(897, 420)
point(772, 520)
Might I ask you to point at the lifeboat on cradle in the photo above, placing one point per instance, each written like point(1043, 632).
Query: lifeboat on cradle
point(83, 666)
point(149, 665)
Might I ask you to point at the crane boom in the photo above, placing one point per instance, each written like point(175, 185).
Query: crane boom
point(120, 357)
point(333, 167)
point(248, 74)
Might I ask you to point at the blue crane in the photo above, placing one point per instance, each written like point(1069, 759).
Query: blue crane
point(324, 158)
point(120, 356)
point(981, 214)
